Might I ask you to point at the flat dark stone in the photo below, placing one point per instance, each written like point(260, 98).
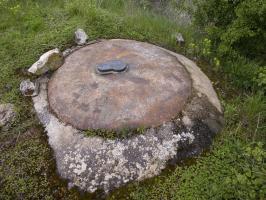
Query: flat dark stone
point(112, 66)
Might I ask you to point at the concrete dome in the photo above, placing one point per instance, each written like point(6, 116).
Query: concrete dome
point(160, 89)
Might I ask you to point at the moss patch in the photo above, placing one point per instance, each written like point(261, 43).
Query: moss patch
point(115, 134)
point(27, 170)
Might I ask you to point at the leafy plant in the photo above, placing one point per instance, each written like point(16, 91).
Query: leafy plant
point(237, 32)
point(260, 79)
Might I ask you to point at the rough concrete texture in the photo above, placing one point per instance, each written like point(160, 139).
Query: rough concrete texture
point(94, 163)
point(49, 61)
point(7, 115)
point(154, 88)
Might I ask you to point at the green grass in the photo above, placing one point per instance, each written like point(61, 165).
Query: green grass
point(114, 134)
point(234, 168)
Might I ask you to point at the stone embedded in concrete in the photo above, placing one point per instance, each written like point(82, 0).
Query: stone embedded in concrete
point(50, 61)
point(80, 37)
point(7, 115)
point(67, 52)
point(93, 163)
point(29, 88)
point(112, 66)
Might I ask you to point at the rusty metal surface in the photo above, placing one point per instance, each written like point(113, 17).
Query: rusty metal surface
point(152, 91)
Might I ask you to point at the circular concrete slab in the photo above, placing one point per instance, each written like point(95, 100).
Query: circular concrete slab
point(153, 90)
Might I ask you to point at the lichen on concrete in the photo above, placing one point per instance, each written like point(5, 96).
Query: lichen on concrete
point(93, 163)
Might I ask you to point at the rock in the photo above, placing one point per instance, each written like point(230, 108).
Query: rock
point(96, 163)
point(7, 114)
point(67, 52)
point(49, 61)
point(29, 88)
point(110, 67)
point(80, 37)
point(179, 39)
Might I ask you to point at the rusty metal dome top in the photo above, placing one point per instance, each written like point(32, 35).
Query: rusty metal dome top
point(149, 87)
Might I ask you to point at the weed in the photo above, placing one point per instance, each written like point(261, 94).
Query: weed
point(115, 134)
